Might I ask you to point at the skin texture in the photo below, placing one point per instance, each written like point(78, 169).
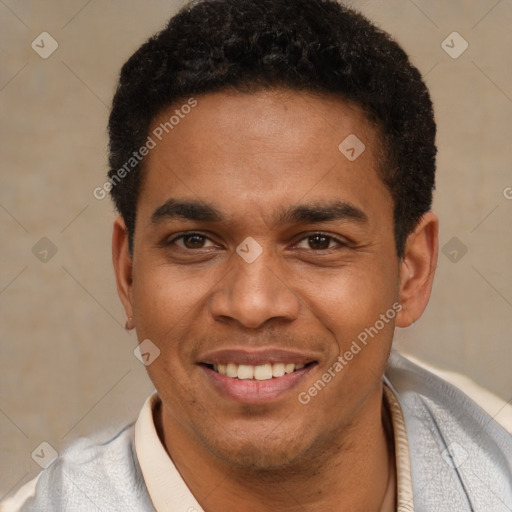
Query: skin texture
point(251, 156)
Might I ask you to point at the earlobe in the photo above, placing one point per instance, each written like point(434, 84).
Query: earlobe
point(123, 268)
point(417, 269)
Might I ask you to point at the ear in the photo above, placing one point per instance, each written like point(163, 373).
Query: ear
point(123, 267)
point(417, 269)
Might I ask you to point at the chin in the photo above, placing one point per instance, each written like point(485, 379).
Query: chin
point(262, 453)
point(251, 457)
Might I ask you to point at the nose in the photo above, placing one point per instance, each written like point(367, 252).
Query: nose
point(253, 294)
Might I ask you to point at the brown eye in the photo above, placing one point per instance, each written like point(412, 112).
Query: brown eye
point(319, 242)
point(193, 241)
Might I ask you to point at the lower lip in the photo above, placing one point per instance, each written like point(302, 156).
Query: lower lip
point(250, 391)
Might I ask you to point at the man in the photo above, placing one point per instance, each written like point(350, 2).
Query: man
point(273, 165)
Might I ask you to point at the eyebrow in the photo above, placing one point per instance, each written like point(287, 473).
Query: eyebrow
point(309, 213)
point(189, 210)
point(323, 212)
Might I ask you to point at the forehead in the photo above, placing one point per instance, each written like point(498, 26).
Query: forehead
point(263, 149)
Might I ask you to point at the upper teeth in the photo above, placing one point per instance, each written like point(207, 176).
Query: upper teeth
point(260, 372)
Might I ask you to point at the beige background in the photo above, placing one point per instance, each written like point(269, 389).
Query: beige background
point(66, 363)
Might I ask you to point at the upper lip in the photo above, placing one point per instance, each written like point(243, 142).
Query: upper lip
point(256, 357)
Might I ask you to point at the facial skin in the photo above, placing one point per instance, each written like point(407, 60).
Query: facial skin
point(254, 157)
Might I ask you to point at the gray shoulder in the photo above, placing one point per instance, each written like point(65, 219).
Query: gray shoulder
point(100, 473)
point(459, 455)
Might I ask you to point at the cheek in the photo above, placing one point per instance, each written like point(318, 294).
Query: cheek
point(358, 309)
point(352, 298)
point(169, 310)
point(168, 301)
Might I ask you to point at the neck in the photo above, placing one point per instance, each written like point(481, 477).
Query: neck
point(354, 473)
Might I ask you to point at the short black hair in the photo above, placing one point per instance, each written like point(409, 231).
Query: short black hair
point(318, 46)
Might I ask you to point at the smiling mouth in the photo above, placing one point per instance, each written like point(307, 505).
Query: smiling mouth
point(256, 372)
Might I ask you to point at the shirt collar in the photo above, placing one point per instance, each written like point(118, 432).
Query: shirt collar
point(167, 490)
point(404, 491)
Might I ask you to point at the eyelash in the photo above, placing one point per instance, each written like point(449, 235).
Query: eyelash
point(340, 243)
point(185, 235)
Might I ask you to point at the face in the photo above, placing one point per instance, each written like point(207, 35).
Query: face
point(260, 249)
